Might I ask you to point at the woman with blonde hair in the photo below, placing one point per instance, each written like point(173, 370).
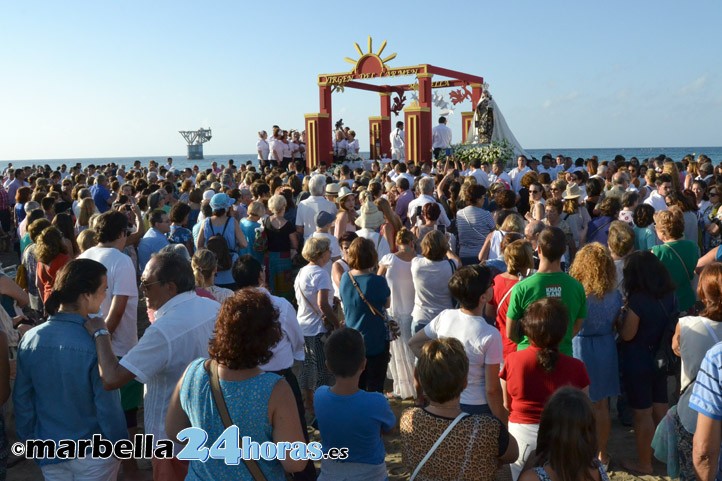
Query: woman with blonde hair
point(595, 344)
point(519, 259)
point(282, 243)
point(492, 245)
point(249, 226)
point(577, 218)
point(536, 202)
point(678, 255)
point(51, 255)
point(346, 215)
point(314, 291)
point(86, 209)
point(557, 188)
point(205, 266)
point(670, 168)
point(692, 173)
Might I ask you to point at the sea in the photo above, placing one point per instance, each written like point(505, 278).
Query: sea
point(181, 162)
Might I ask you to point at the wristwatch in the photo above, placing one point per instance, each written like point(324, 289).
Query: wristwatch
point(101, 332)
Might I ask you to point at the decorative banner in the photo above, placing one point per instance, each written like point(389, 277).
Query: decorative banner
point(398, 104)
point(458, 96)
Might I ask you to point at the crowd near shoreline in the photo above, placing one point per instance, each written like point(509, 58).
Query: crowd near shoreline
point(511, 306)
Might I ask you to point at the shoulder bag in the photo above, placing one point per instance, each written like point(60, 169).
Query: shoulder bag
point(693, 279)
point(392, 328)
point(212, 368)
point(326, 323)
point(664, 358)
point(437, 444)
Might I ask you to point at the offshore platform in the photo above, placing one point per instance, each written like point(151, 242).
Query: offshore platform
point(196, 139)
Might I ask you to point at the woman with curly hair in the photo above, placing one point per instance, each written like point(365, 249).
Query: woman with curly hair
point(595, 344)
point(260, 403)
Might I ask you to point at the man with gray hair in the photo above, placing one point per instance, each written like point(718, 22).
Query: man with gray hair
point(180, 334)
point(310, 207)
point(241, 208)
point(426, 191)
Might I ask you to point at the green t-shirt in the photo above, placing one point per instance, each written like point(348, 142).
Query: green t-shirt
point(549, 284)
point(681, 274)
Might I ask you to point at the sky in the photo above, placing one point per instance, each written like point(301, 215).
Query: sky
point(83, 79)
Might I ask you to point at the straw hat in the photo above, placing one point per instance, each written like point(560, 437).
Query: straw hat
point(370, 216)
point(573, 192)
point(332, 189)
point(344, 192)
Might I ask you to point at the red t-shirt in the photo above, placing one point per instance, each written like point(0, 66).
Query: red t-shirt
point(46, 274)
point(529, 386)
point(502, 286)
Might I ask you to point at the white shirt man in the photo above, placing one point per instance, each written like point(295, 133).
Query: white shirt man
point(181, 331)
point(422, 200)
point(656, 198)
point(441, 136)
point(398, 147)
point(480, 176)
point(121, 284)
point(183, 326)
point(518, 172)
point(498, 174)
point(276, 150)
point(310, 207)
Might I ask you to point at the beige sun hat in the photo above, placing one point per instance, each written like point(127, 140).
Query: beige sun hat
point(573, 192)
point(370, 216)
point(332, 189)
point(344, 192)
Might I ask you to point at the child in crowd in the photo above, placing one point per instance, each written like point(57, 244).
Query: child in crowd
point(324, 230)
point(630, 200)
point(532, 375)
point(349, 417)
point(645, 236)
point(567, 441)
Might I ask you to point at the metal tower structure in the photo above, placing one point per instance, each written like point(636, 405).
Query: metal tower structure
point(196, 139)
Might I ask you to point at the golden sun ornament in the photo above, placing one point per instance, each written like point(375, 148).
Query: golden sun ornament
point(370, 62)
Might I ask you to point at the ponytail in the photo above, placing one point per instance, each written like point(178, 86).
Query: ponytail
point(52, 303)
point(547, 358)
point(77, 277)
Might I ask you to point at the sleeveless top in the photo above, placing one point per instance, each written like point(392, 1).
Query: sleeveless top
point(247, 403)
point(544, 476)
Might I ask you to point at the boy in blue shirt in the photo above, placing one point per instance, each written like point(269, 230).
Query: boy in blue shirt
point(349, 417)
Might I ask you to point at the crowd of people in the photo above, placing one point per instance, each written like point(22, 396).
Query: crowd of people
point(511, 306)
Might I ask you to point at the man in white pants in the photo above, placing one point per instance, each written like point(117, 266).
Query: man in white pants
point(398, 146)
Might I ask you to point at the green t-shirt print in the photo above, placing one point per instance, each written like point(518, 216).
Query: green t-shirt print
point(549, 284)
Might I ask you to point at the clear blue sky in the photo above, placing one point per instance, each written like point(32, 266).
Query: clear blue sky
point(106, 79)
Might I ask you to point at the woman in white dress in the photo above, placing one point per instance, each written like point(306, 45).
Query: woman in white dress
point(397, 270)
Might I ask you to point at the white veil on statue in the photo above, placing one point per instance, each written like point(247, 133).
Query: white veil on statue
point(500, 130)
